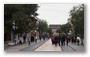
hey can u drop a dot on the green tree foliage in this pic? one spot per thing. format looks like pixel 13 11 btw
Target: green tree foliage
pixel 43 26
pixel 21 14
pixel 63 28
pixel 49 30
pixel 77 19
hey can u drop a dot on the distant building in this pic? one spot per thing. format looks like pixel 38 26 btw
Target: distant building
pixel 54 27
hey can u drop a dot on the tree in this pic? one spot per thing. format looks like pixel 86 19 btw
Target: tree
pixel 49 30
pixel 43 26
pixel 63 28
pixel 21 14
pixel 77 19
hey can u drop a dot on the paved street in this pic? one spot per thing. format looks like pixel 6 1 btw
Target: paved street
pixel 34 46
pixel 25 47
pixel 48 47
pixel 45 46
pixel 79 48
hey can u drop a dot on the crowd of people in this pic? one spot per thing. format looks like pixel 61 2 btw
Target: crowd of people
pixel 63 39
pixel 30 38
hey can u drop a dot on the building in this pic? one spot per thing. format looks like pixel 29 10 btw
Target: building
pixel 54 27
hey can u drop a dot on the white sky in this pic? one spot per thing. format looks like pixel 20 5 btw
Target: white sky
pixel 55 13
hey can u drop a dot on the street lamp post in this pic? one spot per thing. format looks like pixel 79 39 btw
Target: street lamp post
pixel 14 28
pixel 13 36
pixel 13 39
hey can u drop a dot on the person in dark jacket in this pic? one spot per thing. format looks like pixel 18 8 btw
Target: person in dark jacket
pixel 24 38
pixel 59 39
pixel 40 37
pixel 56 40
pixel 52 39
pixel 63 40
pixel 32 38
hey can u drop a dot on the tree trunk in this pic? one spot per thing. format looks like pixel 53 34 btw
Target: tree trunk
pixel 7 36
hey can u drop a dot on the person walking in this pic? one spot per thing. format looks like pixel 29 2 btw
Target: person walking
pixel 36 38
pixel 59 39
pixel 24 38
pixel 56 40
pixel 63 40
pixel 20 40
pixel 52 39
pixel 78 40
pixel 46 36
pixel 14 40
pixel 43 37
pixel 74 39
pixel 68 38
pixel 32 38
pixel 40 37
pixel 29 40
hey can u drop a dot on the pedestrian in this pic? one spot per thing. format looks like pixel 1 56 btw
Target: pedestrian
pixel 20 40
pixel 59 39
pixel 56 40
pixel 78 40
pixel 43 37
pixel 40 36
pixel 52 39
pixel 63 40
pixel 67 40
pixel 35 38
pixel 24 38
pixel 32 38
pixel 46 36
pixel 14 40
pixel 29 40
pixel 72 38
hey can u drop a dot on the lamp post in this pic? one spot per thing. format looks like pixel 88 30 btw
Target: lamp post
pixel 13 36
pixel 13 30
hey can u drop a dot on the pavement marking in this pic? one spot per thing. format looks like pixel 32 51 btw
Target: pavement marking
pixel 47 46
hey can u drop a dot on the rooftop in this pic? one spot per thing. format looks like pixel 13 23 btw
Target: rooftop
pixel 54 26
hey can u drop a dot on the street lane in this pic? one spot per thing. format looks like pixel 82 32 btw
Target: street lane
pixel 48 47
pixel 33 46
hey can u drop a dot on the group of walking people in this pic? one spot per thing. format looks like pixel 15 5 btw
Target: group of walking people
pixel 25 38
pixel 58 39
pixel 63 38
pixel 45 36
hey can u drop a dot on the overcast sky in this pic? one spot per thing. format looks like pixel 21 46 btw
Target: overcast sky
pixel 55 13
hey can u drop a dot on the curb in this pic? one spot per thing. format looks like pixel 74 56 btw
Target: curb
pixel 72 47
pixel 40 45
pixel 33 44
pixel 61 48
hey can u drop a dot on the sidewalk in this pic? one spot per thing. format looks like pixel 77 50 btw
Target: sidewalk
pixel 17 47
pixel 79 48
pixel 48 47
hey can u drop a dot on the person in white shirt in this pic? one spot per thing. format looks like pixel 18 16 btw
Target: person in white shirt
pixel 78 40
